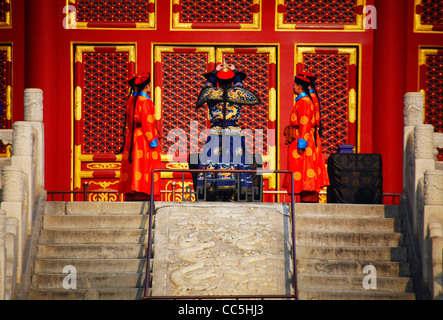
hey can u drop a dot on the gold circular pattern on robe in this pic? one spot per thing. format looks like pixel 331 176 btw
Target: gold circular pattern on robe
pixel 308 151
pixel 311 173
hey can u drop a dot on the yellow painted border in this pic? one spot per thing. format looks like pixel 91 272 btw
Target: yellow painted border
pixel 256 25
pixel 151 25
pixel 8 23
pixel 418 26
pixel 355 52
pixel 281 26
pixel 9 93
pixel 423 52
pixel 77 50
pixel 8 48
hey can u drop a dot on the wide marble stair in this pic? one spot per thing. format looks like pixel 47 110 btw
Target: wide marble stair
pixel 106 244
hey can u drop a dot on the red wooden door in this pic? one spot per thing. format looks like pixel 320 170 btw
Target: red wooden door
pixel 100 95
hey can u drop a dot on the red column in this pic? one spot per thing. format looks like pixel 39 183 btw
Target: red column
pixel 43 19
pixel 389 78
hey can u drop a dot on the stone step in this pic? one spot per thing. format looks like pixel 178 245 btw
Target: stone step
pixel 383 239
pixel 91 265
pixel 91 281
pixel 107 221
pixel 91 251
pixel 128 236
pixel 88 294
pixel 342 224
pixel 346 283
pixel 347 210
pixel 96 208
pixel 303 223
pixel 351 267
pixel 396 254
pixel 353 295
pixel 93 236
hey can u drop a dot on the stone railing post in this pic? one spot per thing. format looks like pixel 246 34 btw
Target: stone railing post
pixel 3 260
pixel 433 220
pixel 15 204
pixel 436 250
pixel 33 107
pixel 413 116
pixel 423 160
pixel 434 188
pixel 22 157
pixel 424 142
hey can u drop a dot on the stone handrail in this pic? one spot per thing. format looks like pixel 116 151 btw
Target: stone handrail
pixel 22 190
pixel 423 193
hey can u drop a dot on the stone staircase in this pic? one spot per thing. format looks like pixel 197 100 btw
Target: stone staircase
pixel 106 243
pixel 336 241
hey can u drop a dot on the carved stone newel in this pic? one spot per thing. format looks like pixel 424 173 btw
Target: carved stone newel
pixel 433 192
pixel 413 112
pixel 22 139
pixel 424 141
pixel 13 184
pixel 33 99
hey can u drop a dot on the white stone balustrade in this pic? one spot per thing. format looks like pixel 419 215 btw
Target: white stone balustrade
pixel 22 184
pixel 33 99
pixel 3 263
pixel 15 204
pixel 423 190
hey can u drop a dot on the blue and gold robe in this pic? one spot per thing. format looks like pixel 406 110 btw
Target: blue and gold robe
pixel 225 147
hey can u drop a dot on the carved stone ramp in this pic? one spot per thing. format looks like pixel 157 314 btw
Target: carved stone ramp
pixel 221 249
pixel 344 252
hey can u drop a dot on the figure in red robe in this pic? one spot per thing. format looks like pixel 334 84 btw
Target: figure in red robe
pixel 141 151
pixel 322 173
pixel 300 135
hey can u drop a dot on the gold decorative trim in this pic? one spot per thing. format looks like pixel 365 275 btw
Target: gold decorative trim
pixel 281 26
pixel 7 48
pixel 352 106
pixel 272 113
pixel 423 55
pixel 78 103
pixel 418 26
pixel 151 25
pixel 175 23
pixel 7 24
pixel 104 166
pixel 8 103
pixel 158 103
pixel 77 167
